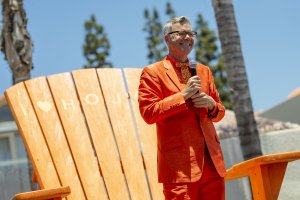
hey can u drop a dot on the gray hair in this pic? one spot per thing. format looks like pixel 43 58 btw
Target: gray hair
pixel 168 26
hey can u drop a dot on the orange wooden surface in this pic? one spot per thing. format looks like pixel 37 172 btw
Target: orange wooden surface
pixel 266 173
pixel 116 99
pixel 49 194
pixel 32 135
pixel 146 133
pixel 49 120
pixel 266 180
pixel 275 174
pixel 77 133
pixel 242 169
pixel 93 105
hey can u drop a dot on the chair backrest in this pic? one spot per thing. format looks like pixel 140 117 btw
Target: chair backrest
pixel 83 129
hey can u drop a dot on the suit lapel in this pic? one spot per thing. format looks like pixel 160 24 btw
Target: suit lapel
pixel 171 73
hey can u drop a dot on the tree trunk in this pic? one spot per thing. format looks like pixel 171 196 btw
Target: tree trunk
pixel 17 46
pixel 237 78
pixel 16 42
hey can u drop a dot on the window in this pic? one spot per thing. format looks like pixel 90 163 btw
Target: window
pixel 5 152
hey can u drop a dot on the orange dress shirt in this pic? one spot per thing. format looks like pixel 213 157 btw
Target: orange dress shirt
pixel 182 130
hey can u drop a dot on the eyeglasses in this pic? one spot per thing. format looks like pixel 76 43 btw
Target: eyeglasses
pixel 184 33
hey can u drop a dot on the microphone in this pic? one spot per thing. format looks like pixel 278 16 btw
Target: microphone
pixel 193 65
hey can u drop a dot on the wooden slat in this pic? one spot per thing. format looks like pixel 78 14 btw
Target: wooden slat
pixel 147 134
pixel 266 180
pixel 45 109
pixel 117 103
pixel 275 176
pixel 30 130
pixel 259 188
pixel 92 102
pixel 64 93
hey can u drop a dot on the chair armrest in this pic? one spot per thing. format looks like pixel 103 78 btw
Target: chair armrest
pixel 266 173
pixel 55 193
pixel 243 169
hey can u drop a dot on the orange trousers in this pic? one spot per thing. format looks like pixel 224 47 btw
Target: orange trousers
pixel 210 187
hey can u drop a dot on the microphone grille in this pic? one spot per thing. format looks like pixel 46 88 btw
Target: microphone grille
pixel 193 65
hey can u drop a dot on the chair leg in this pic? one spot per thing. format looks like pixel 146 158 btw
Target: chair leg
pixel 266 180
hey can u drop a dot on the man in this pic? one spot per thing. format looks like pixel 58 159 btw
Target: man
pixel 190 160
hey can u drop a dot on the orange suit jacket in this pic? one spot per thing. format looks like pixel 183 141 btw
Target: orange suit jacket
pixel 182 131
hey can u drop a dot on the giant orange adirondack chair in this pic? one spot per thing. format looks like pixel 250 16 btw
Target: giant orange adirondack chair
pixel 86 139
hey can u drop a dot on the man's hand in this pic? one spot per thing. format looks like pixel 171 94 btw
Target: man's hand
pixel 192 87
pixel 202 100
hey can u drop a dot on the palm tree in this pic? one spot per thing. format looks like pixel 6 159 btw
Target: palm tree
pixel 207 53
pixel 17 46
pixel 237 78
pixel 16 43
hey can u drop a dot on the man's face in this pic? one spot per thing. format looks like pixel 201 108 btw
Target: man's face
pixel 179 43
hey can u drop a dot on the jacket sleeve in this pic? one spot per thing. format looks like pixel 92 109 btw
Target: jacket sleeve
pixel 153 106
pixel 219 111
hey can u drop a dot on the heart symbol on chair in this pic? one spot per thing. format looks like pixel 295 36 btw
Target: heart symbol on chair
pixel 44 105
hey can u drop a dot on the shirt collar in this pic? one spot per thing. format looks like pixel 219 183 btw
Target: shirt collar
pixel 174 60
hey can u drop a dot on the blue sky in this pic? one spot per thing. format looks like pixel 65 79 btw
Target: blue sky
pixel 269 32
